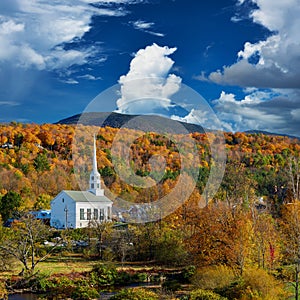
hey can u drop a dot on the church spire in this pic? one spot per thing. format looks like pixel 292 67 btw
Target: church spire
pixel 95 183
pixel 95 169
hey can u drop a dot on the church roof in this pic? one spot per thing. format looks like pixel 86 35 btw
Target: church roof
pixel 86 196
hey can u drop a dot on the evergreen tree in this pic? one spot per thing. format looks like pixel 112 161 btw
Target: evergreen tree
pixel 9 205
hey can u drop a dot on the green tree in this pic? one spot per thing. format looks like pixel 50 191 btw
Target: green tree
pixel 170 249
pixel 41 163
pixel 42 202
pixel 9 205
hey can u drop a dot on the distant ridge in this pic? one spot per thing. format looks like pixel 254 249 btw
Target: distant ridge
pixel 270 133
pixel 117 120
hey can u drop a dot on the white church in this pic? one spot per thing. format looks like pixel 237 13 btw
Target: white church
pixel 76 209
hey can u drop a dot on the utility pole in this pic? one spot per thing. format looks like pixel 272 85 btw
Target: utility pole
pixel 66 215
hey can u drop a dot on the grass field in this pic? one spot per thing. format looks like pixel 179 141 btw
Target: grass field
pixel 66 263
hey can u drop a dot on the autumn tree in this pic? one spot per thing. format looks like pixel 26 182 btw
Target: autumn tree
pixel 221 237
pixel 238 186
pixel 266 240
pixel 290 230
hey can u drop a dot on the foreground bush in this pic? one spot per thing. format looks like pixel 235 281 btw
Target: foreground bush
pixel 255 284
pixel 200 294
pixel 135 294
pixel 211 278
pixel 103 274
pixel 3 290
pixel 64 287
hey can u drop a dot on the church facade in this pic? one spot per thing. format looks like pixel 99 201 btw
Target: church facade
pixel 76 209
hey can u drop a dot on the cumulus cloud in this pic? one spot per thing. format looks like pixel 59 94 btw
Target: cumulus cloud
pixel 148 82
pixel 199 117
pixel 277 58
pixel 146 27
pixel 33 32
pixel 270 66
pixel 260 110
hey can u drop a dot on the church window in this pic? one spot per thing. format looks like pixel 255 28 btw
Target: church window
pixel 101 214
pixel 92 185
pixel 81 213
pixel 92 177
pixel 96 214
pixel 98 185
pixel 63 200
pixel 88 214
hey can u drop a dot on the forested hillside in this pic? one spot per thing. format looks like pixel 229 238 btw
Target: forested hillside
pixel 36 162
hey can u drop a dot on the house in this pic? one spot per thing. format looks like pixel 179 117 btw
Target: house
pixel 7 146
pixel 76 209
pixel 43 215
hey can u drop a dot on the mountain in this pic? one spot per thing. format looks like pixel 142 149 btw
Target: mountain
pixel 117 120
pixel 270 133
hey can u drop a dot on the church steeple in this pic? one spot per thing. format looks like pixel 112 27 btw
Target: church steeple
pixel 95 183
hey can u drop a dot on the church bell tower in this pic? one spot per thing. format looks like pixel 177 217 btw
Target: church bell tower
pixel 95 183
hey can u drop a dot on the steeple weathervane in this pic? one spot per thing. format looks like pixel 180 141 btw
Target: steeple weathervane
pixel 95 183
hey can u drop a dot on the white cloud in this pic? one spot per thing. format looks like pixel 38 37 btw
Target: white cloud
pixel 272 63
pixel 146 26
pixel 194 117
pixel 142 24
pixel 89 77
pixel 33 32
pixel 9 103
pixel 260 110
pixel 70 81
pixel 278 64
pixel 148 78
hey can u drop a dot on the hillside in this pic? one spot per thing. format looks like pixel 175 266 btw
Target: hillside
pixel 39 162
pixel 116 120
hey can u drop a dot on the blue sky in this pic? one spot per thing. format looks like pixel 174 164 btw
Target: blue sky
pixel 242 56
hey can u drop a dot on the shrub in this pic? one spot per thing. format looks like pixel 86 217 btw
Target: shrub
pixel 212 278
pixel 135 294
pixel 84 292
pixel 126 277
pixel 64 287
pixel 200 294
pixel 103 274
pixel 3 290
pixel 262 285
pixel 255 284
pixel 188 273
